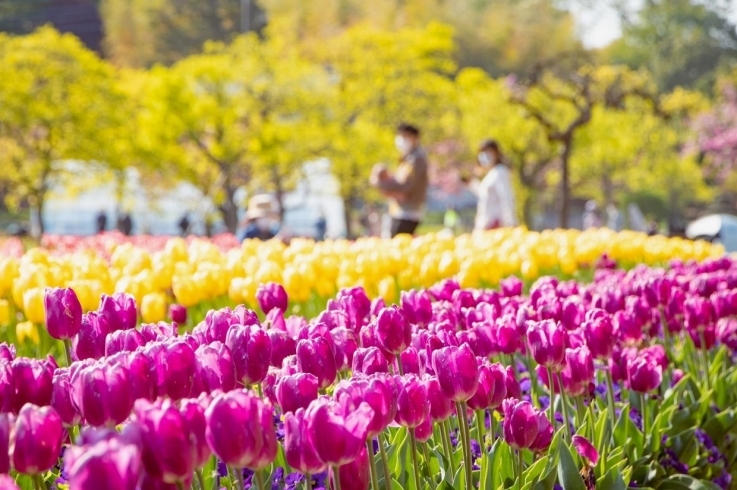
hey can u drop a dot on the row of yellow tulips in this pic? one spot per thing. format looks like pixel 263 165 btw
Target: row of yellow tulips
pixel 200 272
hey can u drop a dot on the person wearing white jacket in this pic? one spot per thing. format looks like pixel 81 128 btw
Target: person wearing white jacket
pixel 496 204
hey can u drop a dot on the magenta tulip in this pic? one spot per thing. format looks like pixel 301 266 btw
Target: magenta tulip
pixel 457 371
pixel 102 394
pixel 162 331
pixel 355 475
pixel 123 341
pixel 141 375
pixel 63 313
pixel 296 391
pixel 521 423
pixel 417 307
pixel 7 387
pixel 175 370
pixel 599 334
pixel 234 428
pixel 726 333
pixel 33 381
pixel 7 483
pixel 178 313
pixel 644 374
pixel 413 405
pixel 410 361
pixel 579 371
pixel 547 343
pixel 505 336
pixel 338 429
pixel 89 343
pixel 393 330
pixel 37 439
pixel 270 296
pixel 315 356
pixel 585 449
pixel 369 361
pixel 214 369
pixel 544 434
pixel 7 425
pixel 113 464
pixel 441 407
pixel 193 412
pixel 492 389
pixel 346 343
pixel 282 345
pixel 379 392
pixel 7 352
pixel 61 398
pixel 119 310
pixel 298 448
pixel 250 347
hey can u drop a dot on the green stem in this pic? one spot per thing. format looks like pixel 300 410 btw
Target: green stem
pixel 200 479
pixel 463 424
pixel 564 404
pixel 551 389
pixel 399 366
pixel 180 486
pixel 239 478
pixel 258 475
pixel 336 477
pixel 580 411
pixel 644 413
pixel 610 399
pixel 533 380
pixel 372 465
pixel 384 463
pixel 427 466
pixel 413 448
pixel 705 359
pixel 520 469
pixel 447 446
pixel 492 426
pixel 68 351
pixel 308 481
pixel 37 482
pixel 480 428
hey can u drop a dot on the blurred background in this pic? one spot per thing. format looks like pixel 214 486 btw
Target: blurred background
pixel 148 112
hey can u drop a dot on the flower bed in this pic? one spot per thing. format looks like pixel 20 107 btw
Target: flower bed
pixel 625 381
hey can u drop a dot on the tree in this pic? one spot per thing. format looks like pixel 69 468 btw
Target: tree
pixel 237 115
pixel 501 36
pixel 140 33
pixel 380 79
pixel 681 42
pixel 59 104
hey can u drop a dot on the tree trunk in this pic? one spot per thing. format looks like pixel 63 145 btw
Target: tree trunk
pixel 527 208
pixel 347 215
pixel 607 187
pixel 229 209
pixel 278 192
pixel 37 208
pixel 565 182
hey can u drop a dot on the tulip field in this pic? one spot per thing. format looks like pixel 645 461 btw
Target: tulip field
pixel 504 360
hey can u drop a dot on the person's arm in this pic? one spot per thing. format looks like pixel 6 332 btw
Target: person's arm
pixel 482 209
pixel 409 181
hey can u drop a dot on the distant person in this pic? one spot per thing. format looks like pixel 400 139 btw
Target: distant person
pixel 652 229
pixel 321 227
pixel 612 217
pixel 407 188
pixel 496 204
pixel 261 220
pixel 184 225
pixel 591 217
pixel 101 222
pixel 125 223
pixel 450 219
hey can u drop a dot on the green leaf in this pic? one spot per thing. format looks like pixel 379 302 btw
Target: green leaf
pixel 686 482
pixel 24 482
pixel 568 475
pixel 439 464
pixel 611 481
pixel 536 469
pixel 721 424
pixel 489 473
pixel 601 429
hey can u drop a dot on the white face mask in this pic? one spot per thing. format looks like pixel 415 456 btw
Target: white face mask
pixel 263 223
pixel 485 159
pixel 402 144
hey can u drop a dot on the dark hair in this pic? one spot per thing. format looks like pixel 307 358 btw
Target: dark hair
pixel 489 145
pixel 408 129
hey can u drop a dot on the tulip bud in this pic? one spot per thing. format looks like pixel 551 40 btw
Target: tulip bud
pixel 478 340
pixel 153 332
pixel 251 350
pixel 101 393
pixel 175 370
pixel 441 407
pixel 423 432
pixel 410 361
pixel 726 333
pixel 413 405
pixel 513 388
pixel 585 449
pixel 547 343
pixel 214 369
pixel 38 437
pixel 443 291
pixel 492 389
pixel 377 305
pixel 416 306
pixel 627 329
pixel 505 336
pixel 141 375
pixel 599 334
pixel 89 343
pixel 338 429
pixel 579 371
pixel 296 391
pixel 119 310
pixel 123 341
pixel 511 286
pixel 111 463
pixel 33 305
pixel 315 356
pixel 169 450
pixel 457 372
pixel 235 432
pixel 298 448
pixel 346 343
pixel 355 475
pixel 544 434
pixel 63 313
pixel 521 423
pixel 7 424
pixel 393 330
pixel 369 338
pixel 282 345
pixel 61 398
pixel 33 381
pixel 7 352
pixel 644 374
pixel 268 385
pixel 178 313
pixel 270 296
pixel 378 392
pixel 677 375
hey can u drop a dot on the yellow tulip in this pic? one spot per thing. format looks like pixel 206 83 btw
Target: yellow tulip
pixel 27 330
pixel 388 289
pixel 4 313
pixel 33 305
pixel 153 308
